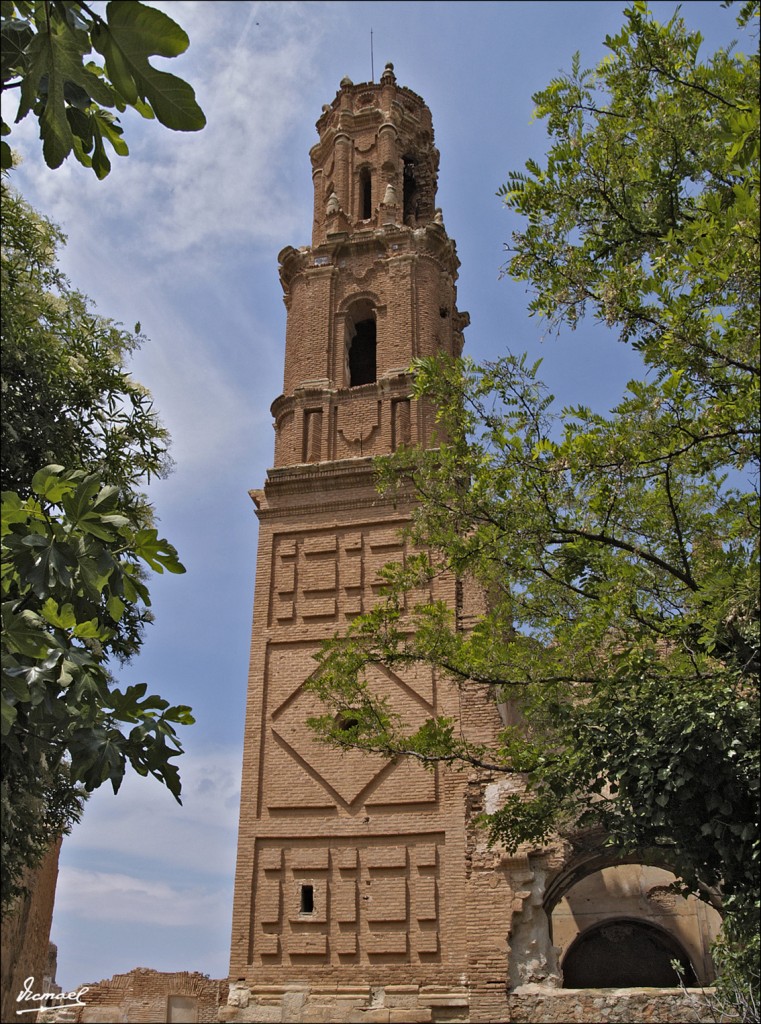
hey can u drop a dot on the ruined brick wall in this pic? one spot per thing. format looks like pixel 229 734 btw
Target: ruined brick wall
pixel 26 934
pixel 144 996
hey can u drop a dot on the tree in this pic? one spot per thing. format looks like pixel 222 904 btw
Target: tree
pixel 66 395
pixel 79 441
pixel 45 44
pixel 76 546
pixel 617 552
pixel 72 558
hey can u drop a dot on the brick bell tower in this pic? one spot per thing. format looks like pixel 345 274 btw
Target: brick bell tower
pixel 351 877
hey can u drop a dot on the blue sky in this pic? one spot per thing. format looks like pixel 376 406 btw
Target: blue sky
pixel 183 236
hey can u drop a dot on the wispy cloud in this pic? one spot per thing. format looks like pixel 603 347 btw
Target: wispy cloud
pixel 194 840
pixel 112 896
pixel 145 240
pixel 178 194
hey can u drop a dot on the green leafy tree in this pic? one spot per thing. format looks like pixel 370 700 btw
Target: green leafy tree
pixel 72 557
pixel 46 51
pixel 67 397
pixel 617 553
pixel 77 546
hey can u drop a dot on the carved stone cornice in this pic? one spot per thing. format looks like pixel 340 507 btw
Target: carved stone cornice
pixel 341 485
pixel 389 242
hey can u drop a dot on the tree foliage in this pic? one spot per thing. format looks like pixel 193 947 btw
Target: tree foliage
pixel 67 397
pixel 80 438
pixel 617 551
pixel 46 56
pixel 71 567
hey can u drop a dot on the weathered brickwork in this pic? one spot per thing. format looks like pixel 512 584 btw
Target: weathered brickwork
pixel 350 868
pixel 145 997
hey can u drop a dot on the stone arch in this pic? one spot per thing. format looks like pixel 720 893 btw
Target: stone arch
pixel 601 886
pixel 594 857
pixel 562 892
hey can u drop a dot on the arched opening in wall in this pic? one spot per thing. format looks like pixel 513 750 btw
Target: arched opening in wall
pixel 625 953
pixel 365 194
pixel 361 345
pixel 593 895
pixel 411 196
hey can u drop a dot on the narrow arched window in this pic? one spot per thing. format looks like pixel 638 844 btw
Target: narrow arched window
pixel 411 196
pixel 365 194
pixel 362 356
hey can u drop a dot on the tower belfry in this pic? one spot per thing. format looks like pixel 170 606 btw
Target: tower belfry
pixel 351 869
pixel 375 289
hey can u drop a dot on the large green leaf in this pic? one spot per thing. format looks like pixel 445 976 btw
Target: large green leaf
pixel 16 35
pixel 157 552
pixel 134 33
pixel 49 483
pixel 22 632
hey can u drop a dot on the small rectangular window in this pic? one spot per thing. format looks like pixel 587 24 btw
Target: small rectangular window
pixel 307 899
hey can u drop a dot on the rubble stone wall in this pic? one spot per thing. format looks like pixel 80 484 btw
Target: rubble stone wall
pixel 617 1006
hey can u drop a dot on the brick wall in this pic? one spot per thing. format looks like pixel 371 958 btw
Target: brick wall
pixel 144 996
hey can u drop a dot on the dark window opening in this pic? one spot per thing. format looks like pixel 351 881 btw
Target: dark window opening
pixel 362 364
pixel 625 953
pixel 307 900
pixel 346 721
pixel 410 191
pixel 365 194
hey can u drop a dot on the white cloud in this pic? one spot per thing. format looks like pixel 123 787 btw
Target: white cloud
pixel 138 863
pixel 111 896
pixel 183 192
pixel 143 823
pixel 206 410
pixel 146 242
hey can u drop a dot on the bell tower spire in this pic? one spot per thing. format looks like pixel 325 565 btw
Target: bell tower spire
pixel 375 289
